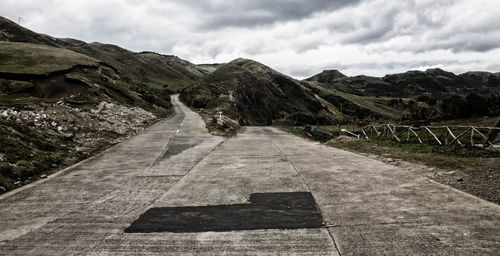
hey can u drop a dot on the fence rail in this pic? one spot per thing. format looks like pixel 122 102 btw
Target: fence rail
pixel 476 136
pixel 442 135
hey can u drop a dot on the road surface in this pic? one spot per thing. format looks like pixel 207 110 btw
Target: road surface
pixel 175 166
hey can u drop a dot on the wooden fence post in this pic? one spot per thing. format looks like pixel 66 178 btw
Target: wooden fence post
pixel 433 135
pixel 446 133
pixel 393 132
pixel 453 136
pixel 486 141
pixel 472 137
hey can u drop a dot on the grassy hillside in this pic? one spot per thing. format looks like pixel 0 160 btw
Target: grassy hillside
pixel 27 58
pixel 432 82
pixel 58 106
pixel 377 105
pixel 31 73
pixel 412 96
pixel 355 107
pixel 49 122
pixel 62 100
pixel 146 68
pixel 326 76
pixel 209 68
pixel 139 70
pixel 253 94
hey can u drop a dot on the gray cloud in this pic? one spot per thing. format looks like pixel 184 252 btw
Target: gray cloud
pixel 463 42
pixel 241 13
pixel 373 28
pixel 297 37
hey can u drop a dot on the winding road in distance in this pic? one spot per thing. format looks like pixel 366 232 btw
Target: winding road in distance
pixel 177 190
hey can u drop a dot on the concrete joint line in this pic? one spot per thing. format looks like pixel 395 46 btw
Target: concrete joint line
pixel 309 189
pixel 156 161
pixel 382 223
pixel 183 176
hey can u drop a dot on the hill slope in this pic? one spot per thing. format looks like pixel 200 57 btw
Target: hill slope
pixel 254 94
pixel 27 58
pixel 433 82
pixel 355 107
pixel 62 100
pixel 58 107
pixel 139 69
pixel 326 76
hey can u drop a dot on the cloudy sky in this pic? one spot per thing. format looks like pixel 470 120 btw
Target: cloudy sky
pixel 299 38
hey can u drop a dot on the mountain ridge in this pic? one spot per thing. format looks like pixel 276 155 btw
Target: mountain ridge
pixel 141 68
pixel 435 82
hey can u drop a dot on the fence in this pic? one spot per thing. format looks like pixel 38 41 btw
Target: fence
pixel 314 131
pixel 489 137
pixel 442 135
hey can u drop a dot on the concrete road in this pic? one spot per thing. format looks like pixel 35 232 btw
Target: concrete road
pixel 368 207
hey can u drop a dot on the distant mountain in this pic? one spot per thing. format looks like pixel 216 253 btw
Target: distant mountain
pixel 254 94
pixel 327 76
pixel 485 79
pixel 139 69
pixel 432 82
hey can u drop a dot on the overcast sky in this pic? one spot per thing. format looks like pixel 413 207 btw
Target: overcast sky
pixel 299 38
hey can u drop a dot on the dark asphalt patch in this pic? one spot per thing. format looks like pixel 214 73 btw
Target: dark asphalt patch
pixel 286 210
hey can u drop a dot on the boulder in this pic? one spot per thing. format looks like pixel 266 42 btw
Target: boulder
pixel 67 135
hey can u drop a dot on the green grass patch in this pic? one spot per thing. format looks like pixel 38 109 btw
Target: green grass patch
pixel 377 105
pixel 26 58
pixel 27 153
pixel 403 148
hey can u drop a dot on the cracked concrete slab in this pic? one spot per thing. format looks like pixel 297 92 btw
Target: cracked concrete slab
pixel 374 208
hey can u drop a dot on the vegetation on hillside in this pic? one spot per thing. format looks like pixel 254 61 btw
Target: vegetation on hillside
pixel 432 82
pixel 357 108
pixel 454 107
pixel 50 121
pixel 27 58
pixel 54 95
pixel 253 94
pixel 142 70
pixel 409 97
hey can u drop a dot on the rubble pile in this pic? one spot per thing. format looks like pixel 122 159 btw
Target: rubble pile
pixel 44 137
pixel 121 119
pixel 61 119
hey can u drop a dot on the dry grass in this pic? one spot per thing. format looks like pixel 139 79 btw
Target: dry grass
pixel 26 58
